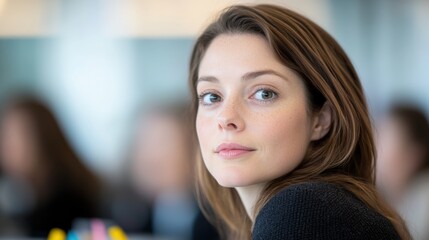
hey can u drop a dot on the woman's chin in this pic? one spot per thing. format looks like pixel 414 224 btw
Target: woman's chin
pixel 230 180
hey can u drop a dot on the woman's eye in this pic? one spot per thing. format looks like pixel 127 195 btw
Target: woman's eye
pixel 265 94
pixel 209 98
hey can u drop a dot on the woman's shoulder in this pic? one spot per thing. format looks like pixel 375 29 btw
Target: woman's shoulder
pixel 319 210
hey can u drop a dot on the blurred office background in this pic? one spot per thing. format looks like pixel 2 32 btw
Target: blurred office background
pixel 98 63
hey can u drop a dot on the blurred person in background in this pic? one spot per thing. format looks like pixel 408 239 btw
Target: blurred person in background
pixel 160 175
pixel 403 165
pixel 45 183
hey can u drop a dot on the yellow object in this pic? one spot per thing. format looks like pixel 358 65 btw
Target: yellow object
pixel 56 234
pixel 116 233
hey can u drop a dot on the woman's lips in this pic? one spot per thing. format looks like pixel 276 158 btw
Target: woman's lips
pixel 232 150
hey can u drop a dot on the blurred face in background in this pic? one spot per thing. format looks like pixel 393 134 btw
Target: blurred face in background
pixel 17 145
pixel 398 158
pixel 161 161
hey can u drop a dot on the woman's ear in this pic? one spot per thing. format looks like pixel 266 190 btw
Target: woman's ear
pixel 322 122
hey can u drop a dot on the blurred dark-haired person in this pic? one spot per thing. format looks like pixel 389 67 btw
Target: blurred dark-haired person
pixel 403 165
pixel 45 181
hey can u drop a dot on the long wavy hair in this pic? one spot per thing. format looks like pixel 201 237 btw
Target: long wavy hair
pixel 54 157
pixel 345 156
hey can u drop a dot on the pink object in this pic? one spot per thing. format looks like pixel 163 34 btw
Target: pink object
pixel 98 230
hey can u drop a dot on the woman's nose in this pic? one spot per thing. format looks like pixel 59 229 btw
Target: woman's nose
pixel 230 117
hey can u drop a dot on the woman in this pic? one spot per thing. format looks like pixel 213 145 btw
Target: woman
pixel 403 165
pixel 283 128
pixel 36 154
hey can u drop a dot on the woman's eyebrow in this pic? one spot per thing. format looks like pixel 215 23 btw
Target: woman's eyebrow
pixel 207 79
pixel 253 75
pixel 247 76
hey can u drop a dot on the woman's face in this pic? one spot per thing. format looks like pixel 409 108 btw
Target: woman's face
pixel 161 160
pixel 17 146
pixel 397 160
pixel 253 122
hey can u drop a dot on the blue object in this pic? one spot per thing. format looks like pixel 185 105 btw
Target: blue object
pixel 72 235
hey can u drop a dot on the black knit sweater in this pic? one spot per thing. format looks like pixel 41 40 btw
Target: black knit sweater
pixel 319 211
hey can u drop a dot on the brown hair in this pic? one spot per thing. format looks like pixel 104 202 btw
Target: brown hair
pixel 329 76
pixel 56 160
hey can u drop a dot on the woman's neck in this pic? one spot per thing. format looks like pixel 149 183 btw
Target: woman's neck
pixel 249 196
